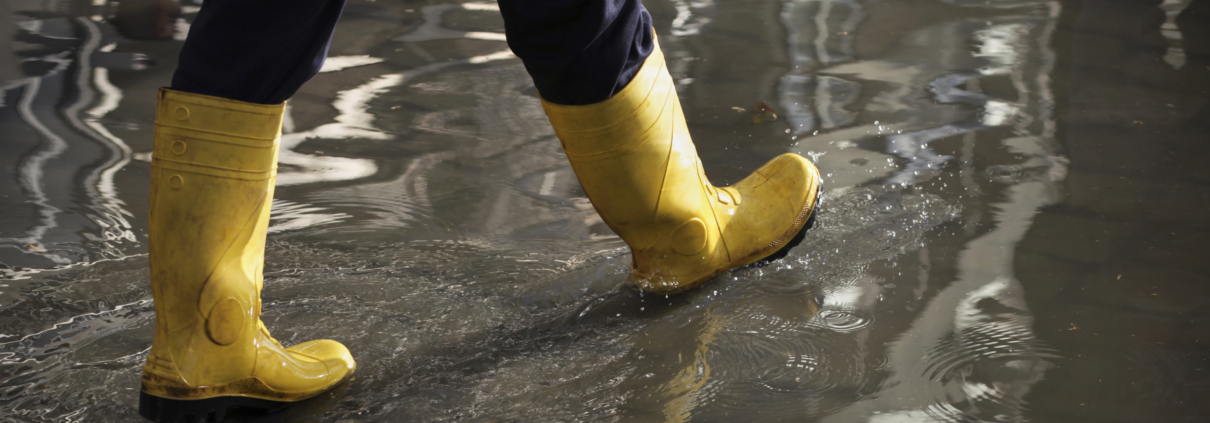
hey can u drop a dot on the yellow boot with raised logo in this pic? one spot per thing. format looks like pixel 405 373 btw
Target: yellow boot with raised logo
pixel 214 165
pixel 633 155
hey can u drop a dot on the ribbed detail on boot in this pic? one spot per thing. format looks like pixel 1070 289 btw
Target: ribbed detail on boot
pixel 191 135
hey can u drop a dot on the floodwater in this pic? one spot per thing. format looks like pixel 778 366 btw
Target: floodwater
pixel 1016 221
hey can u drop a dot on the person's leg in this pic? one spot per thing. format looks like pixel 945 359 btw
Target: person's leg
pixel 578 51
pixel 257 51
pixel 607 92
pixel 214 163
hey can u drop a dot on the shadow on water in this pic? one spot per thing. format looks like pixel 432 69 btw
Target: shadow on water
pixel 1013 222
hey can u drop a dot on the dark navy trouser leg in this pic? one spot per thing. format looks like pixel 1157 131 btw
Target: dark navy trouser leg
pixel 578 51
pixel 262 51
pixel 257 51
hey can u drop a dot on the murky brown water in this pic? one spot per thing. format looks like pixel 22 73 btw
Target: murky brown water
pixel 1015 225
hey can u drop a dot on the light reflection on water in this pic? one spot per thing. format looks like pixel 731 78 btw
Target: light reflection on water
pixel 427 218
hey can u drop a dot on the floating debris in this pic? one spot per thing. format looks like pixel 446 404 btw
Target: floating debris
pixel 763 112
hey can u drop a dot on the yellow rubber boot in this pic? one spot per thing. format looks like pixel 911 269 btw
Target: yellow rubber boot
pixel 633 155
pixel 213 169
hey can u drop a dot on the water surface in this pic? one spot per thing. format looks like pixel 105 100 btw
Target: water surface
pixel 1014 225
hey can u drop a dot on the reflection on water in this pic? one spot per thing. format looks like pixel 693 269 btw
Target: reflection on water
pixel 1011 230
pixel 59 104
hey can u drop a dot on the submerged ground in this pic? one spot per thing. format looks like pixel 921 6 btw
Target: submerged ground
pixel 1015 224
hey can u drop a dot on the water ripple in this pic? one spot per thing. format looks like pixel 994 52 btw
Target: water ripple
pixel 985 367
pixel 780 365
pixel 845 320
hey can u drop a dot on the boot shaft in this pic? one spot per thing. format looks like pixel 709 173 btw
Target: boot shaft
pixel 213 169
pixel 636 161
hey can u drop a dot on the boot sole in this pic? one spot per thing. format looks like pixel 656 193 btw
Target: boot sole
pixel 165 410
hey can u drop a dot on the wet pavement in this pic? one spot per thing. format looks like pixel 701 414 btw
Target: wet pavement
pixel 1015 224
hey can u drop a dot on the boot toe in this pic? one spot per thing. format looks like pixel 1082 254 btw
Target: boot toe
pixel 795 178
pixel 777 200
pixel 334 354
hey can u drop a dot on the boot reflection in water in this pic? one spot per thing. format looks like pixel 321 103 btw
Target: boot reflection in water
pixel 608 95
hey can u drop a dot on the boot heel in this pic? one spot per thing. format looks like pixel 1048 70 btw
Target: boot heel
pixel 165 410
